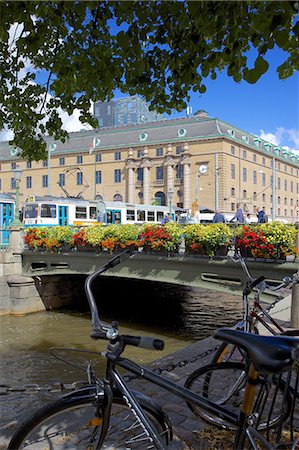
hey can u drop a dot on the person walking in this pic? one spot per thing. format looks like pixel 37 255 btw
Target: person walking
pixel 261 216
pixel 194 212
pixel 219 217
pixel 247 218
pixel 239 216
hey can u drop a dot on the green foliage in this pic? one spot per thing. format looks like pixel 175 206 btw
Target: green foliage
pixel 157 49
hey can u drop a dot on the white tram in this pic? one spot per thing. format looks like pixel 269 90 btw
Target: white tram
pixel 53 211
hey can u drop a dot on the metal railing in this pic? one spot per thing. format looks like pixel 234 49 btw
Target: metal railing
pixel 4 238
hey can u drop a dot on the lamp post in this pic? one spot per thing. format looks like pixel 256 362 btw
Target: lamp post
pixel 95 143
pixel 17 176
pixel 51 149
pixel 170 198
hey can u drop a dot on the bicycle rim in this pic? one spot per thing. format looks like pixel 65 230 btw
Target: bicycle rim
pixel 77 424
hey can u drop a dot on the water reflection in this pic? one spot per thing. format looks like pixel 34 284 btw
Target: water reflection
pixel 179 315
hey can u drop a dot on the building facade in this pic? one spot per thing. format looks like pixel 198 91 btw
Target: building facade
pixel 124 111
pixel 162 162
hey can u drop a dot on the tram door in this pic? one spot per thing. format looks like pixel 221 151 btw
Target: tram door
pixel 6 217
pixel 63 215
pixel 113 216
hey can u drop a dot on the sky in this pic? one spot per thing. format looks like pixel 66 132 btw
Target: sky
pixel 268 108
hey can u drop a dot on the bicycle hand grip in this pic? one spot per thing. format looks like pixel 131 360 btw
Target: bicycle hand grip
pixel 145 342
pixel 257 281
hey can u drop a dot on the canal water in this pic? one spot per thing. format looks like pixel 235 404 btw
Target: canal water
pixel 178 315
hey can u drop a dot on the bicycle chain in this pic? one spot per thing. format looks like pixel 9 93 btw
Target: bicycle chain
pixel 6 389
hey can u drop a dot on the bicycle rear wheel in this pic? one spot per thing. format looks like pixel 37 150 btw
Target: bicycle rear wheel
pixel 224 384
pixel 75 423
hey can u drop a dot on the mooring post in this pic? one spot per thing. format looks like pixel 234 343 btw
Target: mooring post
pixel 295 302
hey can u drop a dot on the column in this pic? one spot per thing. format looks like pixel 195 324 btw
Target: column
pixel 169 164
pixel 130 167
pixel 146 183
pixel 186 162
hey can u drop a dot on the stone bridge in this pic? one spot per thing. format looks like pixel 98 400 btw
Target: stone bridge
pixel 27 278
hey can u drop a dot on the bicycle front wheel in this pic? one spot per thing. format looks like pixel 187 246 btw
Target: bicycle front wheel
pixel 75 423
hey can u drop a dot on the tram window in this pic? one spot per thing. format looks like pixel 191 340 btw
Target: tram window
pixel 81 212
pixel 93 212
pixel 30 211
pixel 130 214
pixel 48 211
pixel 160 215
pixel 151 216
pixel 109 216
pixel 141 215
pixel 117 217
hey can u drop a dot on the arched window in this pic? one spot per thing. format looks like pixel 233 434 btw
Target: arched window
pixel 233 192
pixel 160 198
pixel 117 198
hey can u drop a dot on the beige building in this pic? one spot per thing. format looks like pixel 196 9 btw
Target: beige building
pixel 195 158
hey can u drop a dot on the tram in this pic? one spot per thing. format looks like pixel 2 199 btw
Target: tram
pixel 7 213
pixel 54 211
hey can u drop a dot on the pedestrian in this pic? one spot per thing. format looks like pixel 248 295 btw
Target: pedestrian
pixel 166 219
pixel 261 216
pixel 239 216
pixel 219 217
pixel 194 212
pixel 247 218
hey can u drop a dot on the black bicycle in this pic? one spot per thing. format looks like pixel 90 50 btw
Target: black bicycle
pixel 107 414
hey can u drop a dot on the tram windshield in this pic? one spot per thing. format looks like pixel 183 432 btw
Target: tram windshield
pixel 48 210
pixel 30 211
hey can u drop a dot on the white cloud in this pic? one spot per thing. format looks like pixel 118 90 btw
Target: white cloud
pixel 285 137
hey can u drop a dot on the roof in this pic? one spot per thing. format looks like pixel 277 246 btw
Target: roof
pixel 168 131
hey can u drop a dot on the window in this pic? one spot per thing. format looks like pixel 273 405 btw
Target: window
pixel 278 183
pixel 79 178
pixel 278 166
pixel 140 215
pixel 244 193
pixel 139 153
pixel 117 176
pixel 98 157
pixel 232 192
pixel 254 177
pixel 159 173
pixel 45 181
pixel 292 186
pixel 179 171
pixel 28 164
pixel 140 174
pixel 264 197
pixel 278 200
pixel 151 216
pixel 12 183
pixel 130 214
pixel 254 196
pixel 48 211
pixel 28 182
pixel 179 150
pixel 285 201
pixel 0 183
pixel 98 176
pixel 254 157
pixel 232 206
pixel 81 212
pixel 61 180
pixel 45 163
pixel 117 156
pixel 233 171
pixel 13 165
pixel 79 159
pixel 285 168
pixel 263 179
pixel 244 154
pixel 244 174
pixel 92 212
pixel 297 188
pixel 61 161
pixel 264 161
pixel 159 151
pixel 285 185
pixel 232 150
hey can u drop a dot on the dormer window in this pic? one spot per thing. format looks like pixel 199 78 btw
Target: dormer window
pixel 245 139
pixel 268 147
pixel 182 132
pixel 231 132
pixel 257 142
pixel 143 136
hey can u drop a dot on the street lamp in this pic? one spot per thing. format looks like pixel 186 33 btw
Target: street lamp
pixel 95 143
pixel 17 177
pixel 51 148
pixel 170 198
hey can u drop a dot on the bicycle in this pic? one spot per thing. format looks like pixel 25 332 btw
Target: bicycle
pixel 106 413
pixel 231 357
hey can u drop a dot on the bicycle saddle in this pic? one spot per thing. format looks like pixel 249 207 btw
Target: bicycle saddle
pixel 268 353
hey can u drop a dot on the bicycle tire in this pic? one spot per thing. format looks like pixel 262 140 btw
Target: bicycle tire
pixel 72 423
pixel 224 383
